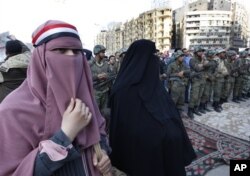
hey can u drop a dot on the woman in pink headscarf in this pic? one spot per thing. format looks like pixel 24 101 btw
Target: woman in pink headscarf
pixel 49 125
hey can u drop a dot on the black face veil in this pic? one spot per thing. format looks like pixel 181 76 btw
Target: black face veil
pixel 140 68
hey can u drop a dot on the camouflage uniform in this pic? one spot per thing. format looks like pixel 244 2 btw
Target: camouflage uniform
pixel 209 70
pixel 248 71
pixel 237 92
pixel 197 83
pixel 246 75
pixel 220 73
pixel 230 79
pixel 101 85
pixel 101 92
pixel 177 84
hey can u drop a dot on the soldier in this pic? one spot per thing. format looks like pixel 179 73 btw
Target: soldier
pixel 177 81
pixel 197 83
pixel 119 57
pixel 230 79
pixel 248 70
pixel 220 73
pixel 210 66
pixel 237 92
pixel 186 60
pixel 246 75
pixel 112 64
pixel 100 74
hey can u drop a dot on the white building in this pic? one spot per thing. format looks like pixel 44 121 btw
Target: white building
pixel 209 29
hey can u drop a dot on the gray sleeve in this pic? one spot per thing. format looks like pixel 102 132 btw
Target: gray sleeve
pixel 44 166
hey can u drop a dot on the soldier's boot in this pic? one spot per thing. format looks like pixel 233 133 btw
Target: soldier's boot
pixel 248 94
pixel 220 104
pixel 224 100
pixel 201 108
pixel 244 96
pixel 235 100
pixel 190 113
pixel 206 107
pixel 195 111
pixel 216 106
pixel 240 99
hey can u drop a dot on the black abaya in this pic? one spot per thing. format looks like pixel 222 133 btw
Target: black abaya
pixel 147 135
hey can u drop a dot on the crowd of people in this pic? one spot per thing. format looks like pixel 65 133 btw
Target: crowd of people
pixel 52 121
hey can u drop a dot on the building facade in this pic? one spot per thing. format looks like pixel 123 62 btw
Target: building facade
pixel 240 26
pixel 210 29
pixel 212 23
pixel 209 23
pixel 155 25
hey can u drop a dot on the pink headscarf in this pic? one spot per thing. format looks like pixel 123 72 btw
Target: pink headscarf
pixel 33 112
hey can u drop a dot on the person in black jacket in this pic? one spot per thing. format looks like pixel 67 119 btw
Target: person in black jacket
pixel 13 69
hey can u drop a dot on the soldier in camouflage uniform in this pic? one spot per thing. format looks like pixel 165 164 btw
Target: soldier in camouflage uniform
pixel 246 75
pixel 220 73
pixel 177 81
pixel 248 70
pixel 210 66
pixel 237 92
pixel 100 74
pixel 112 64
pixel 230 79
pixel 119 57
pixel 197 83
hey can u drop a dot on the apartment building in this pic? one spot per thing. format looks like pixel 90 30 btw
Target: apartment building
pixel 210 23
pixel 240 26
pixel 224 5
pixel 101 38
pixel 213 23
pixel 155 25
pixel 209 29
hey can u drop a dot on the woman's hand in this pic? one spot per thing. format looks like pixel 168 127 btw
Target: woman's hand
pixel 75 118
pixel 104 164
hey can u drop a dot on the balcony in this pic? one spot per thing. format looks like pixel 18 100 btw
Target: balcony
pixel 192 24
pixel 166 14
pixel 192 31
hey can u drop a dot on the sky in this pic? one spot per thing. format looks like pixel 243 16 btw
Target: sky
pixel 21 17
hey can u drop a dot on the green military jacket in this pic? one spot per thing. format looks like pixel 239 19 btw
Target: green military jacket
pixel 172 72
pixel 96 68
pixel 194 66
pixel 210 69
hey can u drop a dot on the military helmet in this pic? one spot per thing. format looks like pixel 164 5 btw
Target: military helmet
pixel 231 53
pixel 243 53
pixel 98 49
pixel 122 51
pixel 199 48
pixel 210 53
pixel 220 50
pixel 178 54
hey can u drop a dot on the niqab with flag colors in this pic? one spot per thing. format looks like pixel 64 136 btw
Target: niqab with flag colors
pixel 34 111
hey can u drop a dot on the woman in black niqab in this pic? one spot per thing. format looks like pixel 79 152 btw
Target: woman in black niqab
pixel 147 135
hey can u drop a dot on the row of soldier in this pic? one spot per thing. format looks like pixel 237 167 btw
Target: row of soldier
pixel 209 76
